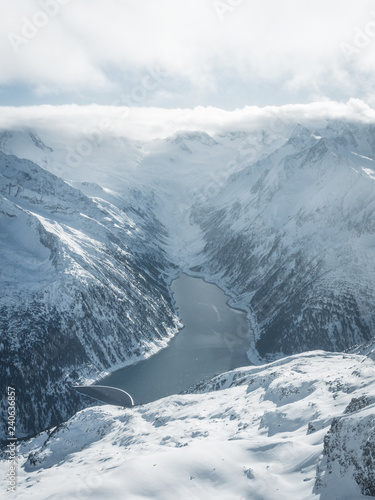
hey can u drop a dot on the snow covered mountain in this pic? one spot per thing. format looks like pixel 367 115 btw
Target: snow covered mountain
pixel 300 428
pixel 84 288
pixel 293 237
pixel 91 239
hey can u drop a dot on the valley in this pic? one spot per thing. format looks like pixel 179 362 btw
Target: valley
pixel 282 222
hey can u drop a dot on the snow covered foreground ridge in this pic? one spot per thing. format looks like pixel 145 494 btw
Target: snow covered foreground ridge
pixel 299 428
pixel 284 222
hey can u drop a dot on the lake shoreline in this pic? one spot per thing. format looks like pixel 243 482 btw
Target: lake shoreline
pixel 212 340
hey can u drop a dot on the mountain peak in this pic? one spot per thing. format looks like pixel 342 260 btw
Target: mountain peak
pixel 194 136
pixel 300 132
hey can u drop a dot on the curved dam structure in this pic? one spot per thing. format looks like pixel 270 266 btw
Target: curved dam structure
pixel 108 395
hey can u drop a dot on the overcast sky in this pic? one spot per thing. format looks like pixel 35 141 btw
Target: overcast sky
pixel 185 53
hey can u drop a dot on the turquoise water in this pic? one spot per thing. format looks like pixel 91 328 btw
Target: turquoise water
pixel 214 339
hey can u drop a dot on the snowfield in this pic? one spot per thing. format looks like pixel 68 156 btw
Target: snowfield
pixel 300 428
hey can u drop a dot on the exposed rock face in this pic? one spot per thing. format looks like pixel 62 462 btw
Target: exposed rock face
pixel 349 449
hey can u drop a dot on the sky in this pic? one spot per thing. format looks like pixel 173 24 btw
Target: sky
pixel 186 53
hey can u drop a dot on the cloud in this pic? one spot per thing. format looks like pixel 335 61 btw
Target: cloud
pixel 149 123
pixel 104 46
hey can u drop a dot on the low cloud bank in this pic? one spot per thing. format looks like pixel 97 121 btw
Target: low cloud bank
pixel 150 123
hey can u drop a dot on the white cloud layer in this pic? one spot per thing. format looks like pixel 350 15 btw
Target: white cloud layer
pixel 217 47
pixel 149 123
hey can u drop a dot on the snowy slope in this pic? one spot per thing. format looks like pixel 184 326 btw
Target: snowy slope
pixel 299 428
pixel 366 349
pixel 101 159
